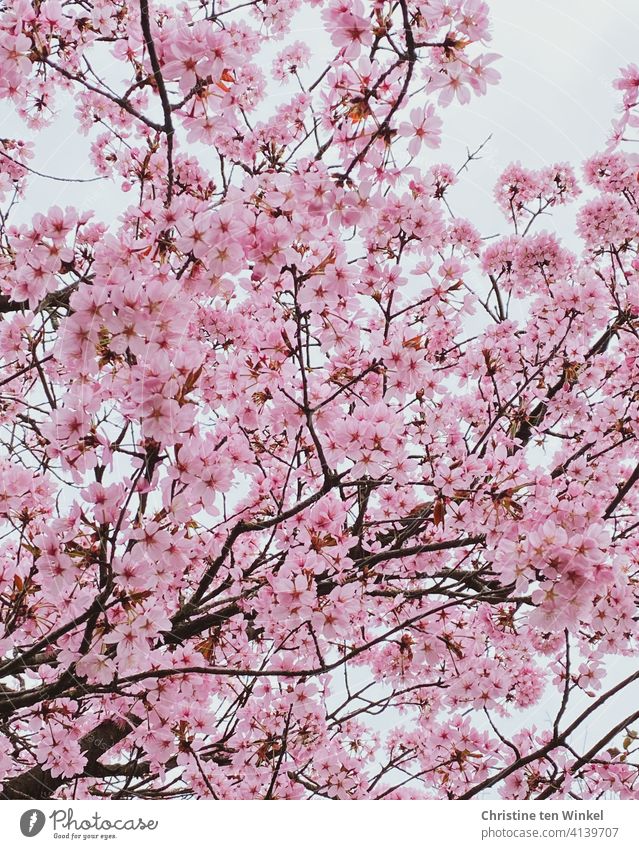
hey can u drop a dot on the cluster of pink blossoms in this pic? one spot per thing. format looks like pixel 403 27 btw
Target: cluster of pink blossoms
pixel 288 445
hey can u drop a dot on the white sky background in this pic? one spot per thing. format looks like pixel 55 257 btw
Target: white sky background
pixel 555 100
pixel 554 103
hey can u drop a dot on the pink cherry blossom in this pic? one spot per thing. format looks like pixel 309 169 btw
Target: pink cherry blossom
pixel 424 128
pixel 310 486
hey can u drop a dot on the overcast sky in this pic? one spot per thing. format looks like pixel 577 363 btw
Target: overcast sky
pixel 554 102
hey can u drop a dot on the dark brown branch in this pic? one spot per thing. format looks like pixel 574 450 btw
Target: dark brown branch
pixel 38 783
pixel 623 491
pixel 164 98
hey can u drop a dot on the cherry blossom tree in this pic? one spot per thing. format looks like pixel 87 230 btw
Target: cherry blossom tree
pixel 307 487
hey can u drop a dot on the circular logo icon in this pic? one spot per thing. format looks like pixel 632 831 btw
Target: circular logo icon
pixel 32 822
